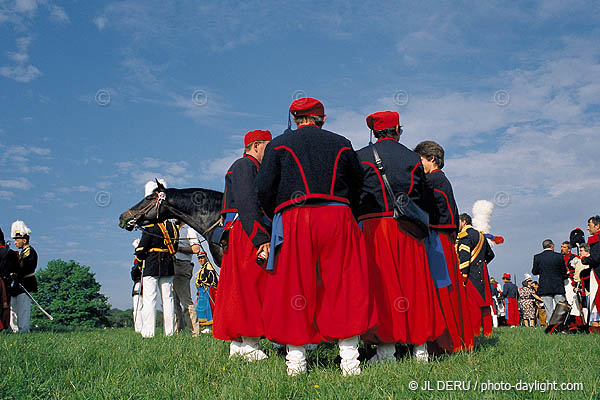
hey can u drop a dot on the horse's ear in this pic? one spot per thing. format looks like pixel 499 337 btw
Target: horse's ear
pixel 159 185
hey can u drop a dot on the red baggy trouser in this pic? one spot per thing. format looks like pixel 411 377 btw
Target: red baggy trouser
pixel 319 289
pixel 453 299
pixel 480 308
pixel 241 290
pixel 405 296
pixel 512 312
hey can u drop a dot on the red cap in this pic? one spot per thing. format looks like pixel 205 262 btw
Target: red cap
pixel 383 120
pixel 307 106
pixel 505 275
pixel 202 253
pixel 253 136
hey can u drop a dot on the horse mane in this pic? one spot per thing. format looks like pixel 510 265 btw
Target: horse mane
pixel 191 200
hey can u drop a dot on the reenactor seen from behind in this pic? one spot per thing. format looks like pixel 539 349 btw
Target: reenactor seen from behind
pixel 309 183
pixel 242 281
pixel 405 294
pixel 444 221
pixel 23 278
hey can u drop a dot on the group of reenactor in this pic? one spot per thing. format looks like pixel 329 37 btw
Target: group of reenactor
pixel 163 264
pixel 17 279
pixel 315 254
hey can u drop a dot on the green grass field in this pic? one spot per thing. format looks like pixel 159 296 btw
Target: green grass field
pixel 119 364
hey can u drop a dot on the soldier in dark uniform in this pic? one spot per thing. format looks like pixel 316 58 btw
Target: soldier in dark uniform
pixel 136 291
pixel 9 263
pixel 474 253
pixel 592 258
pixel 444 221
pixel 509 293
pixel 405 294
pixel 241 288
pixel 309 182
pixel 156 252
pixel 20 303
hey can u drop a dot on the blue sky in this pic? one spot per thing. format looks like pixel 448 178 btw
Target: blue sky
pixel 98 97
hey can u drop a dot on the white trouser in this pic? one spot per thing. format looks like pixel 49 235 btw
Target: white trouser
pixel 349 353
pixel 296 358
pixel 150 294
pixel 571 298
pixel 137 309
pixel 20 311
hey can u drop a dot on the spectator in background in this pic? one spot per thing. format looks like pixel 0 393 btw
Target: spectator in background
pixel 550 266
pixel 527 298
pixel 509 293
pixel 184 268
pixel 539 305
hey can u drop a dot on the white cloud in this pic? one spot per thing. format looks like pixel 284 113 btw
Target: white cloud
pixel 26 6
pixel 6 195
pixel 58 14
pixel 20 73
pixel 100 22
pixel 19 183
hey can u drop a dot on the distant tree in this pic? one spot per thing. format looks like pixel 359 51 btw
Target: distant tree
pixel 71 294
pixel 120 318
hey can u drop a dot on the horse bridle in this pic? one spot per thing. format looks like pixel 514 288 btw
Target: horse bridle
pixel 160 197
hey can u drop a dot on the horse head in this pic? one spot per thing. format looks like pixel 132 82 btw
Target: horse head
pixel 153 208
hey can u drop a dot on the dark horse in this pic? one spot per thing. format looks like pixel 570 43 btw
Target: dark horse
pixel 199 208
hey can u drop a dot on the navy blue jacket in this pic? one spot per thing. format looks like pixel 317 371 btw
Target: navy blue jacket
pixel 308 165
pixel 405 173
pixel 157 258
pixel 594 258
pixel 509 291
pixel 241 197
pixel 474 253
pixel 445 215
pixel 550 266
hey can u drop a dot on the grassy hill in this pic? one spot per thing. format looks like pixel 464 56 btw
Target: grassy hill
pixel 119 364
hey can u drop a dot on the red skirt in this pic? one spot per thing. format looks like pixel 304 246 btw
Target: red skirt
pixel 453 299
pixel 405 296
pixel 319 289
pixel 241 290
pixel 512 312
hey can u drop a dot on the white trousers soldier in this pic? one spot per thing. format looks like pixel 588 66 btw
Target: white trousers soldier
pixel 138 304
pixel 20 312
pixel 151 285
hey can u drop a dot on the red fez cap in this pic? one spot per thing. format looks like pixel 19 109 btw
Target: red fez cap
pixel 253 136
pixel 307 106
pixel 507 276
pixel 383 120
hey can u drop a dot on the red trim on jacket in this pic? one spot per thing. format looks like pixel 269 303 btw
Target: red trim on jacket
pixel 443 226
pixel 254 160
pixel 337 158
pixel 229 210
pixel 299 166
pixel 447 203
pixel 594 239
pixel 376 215
pixel 302 199
pixel 385 138
pixel 380 181
pixel 412 177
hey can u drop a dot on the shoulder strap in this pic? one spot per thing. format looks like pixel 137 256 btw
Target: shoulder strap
pixel 381 169
pixel 167 237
